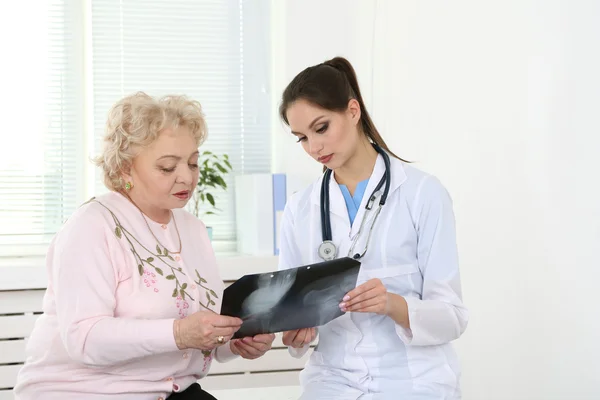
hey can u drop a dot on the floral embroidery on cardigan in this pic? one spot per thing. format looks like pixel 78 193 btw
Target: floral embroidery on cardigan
pixel 183 307
pixel 150 279
pixel 154 261
pixel 208 356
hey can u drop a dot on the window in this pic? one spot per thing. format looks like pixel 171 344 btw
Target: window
pixel 41 80
pixel 216 52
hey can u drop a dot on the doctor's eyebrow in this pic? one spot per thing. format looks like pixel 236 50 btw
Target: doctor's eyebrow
pixel 314 121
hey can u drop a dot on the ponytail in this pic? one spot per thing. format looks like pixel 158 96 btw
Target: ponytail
pixel 367 124
pixel 331 85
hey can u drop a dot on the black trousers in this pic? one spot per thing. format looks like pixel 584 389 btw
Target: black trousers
pixel 194 392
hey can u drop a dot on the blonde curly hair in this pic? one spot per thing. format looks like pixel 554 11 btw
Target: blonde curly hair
pixel 135 122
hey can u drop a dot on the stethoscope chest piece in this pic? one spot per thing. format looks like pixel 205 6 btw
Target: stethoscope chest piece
pixel 327 250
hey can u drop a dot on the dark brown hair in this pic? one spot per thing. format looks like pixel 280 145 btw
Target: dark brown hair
pixel 331 85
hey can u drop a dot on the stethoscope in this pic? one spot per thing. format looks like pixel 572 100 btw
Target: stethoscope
pixel 327 249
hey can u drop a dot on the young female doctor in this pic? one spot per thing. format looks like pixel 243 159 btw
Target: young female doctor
pixel 393 340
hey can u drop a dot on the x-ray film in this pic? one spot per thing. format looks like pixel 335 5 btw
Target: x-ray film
pixel 303 297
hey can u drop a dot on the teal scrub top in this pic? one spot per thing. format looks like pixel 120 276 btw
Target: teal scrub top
pixel 353 202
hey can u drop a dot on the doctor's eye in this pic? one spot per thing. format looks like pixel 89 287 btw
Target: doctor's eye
pixel 323 128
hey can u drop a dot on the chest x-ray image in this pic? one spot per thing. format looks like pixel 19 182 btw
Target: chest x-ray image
pixel 303 297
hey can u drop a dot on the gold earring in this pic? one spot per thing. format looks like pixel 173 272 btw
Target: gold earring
pixel 128 186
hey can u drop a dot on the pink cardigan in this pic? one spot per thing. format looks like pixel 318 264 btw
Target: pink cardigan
pixel 113 293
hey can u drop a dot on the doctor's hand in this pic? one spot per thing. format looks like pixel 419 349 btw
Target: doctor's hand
pixel 371 297
pixel 252 347
pixel 299 338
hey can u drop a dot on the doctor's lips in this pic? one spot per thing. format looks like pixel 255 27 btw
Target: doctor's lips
pixel 325 159
pixel 183 195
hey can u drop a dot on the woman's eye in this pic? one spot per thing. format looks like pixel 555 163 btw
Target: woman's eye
pixel 300 139
pixel 167 170
pixel 323 128
pixel 193 166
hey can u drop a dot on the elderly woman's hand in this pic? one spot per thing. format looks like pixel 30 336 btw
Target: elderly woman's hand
pixel 204 330
pixel 252 347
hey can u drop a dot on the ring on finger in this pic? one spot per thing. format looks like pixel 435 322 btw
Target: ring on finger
pixel 220 339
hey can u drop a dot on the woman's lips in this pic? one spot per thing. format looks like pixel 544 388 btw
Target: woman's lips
pixel 183 195
pixel 325 159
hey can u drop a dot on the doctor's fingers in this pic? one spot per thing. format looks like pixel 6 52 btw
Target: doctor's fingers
pixel 257 344
pixel 311 336
pixel 372 284
pixel 305 336
pixel 266 338
pixel 248 351
pixel 368 295
pixel 377 304
pixel 299 339
pixel 288 337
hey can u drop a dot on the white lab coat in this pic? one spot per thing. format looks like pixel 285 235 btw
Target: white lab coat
pixel 413 251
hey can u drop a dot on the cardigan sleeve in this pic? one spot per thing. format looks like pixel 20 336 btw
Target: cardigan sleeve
pixel 83 277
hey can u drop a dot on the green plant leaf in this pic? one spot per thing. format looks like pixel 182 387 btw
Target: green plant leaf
pixel 184 286
pixel 213 293
pixel 175 292
pixel 211 199
pixel 140 269
pixel 170 277
pixel 220 181
pixel 159 271
pixel 118 232
pixel 158 250
pixel 207 296
pixel 150 259
pixel 182 293
pixel 171 258
pixel 212 303
pixel 166 252
pixel 226 161
pixel 198 275
pixel 203 280
pixel 220 168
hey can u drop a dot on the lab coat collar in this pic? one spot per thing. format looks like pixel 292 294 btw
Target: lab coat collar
pixel 336 198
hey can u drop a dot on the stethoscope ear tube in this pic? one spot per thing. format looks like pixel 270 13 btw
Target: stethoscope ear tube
pixel 325 227
pixel 387 175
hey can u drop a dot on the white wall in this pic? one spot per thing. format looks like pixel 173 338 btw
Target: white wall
pixel 308 32
pixel 500 100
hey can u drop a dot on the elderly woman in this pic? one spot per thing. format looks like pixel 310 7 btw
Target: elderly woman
pixel 132 306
